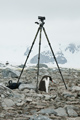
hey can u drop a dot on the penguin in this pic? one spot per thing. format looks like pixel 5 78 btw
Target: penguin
pixel 44 83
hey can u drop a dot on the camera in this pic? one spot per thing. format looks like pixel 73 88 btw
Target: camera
pixel 41 18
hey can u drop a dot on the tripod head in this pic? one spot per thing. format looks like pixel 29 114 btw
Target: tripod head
pixel 41 20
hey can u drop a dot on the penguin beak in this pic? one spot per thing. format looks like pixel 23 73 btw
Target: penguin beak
pixel 53 81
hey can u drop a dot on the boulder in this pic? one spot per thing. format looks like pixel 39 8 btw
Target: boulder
pixel 49 97
pixel 20 104
pixel 48 111
pixel 40 117
pixel 5 92
pixel 71 112
pixel 10 73
pixel 75 88
pixel 7 103
pixel 61 112
pixel 27 86
pixel 42 65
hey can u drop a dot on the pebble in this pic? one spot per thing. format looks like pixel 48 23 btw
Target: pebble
pixel 25 104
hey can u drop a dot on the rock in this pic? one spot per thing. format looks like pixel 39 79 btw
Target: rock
pixel 39 107
pixel 7 103
pixel 67 94
pixel 42 65
pixel 20 104
pixel 25 104
pixel 38 95
pixel 5 92
pixel 49 97
pixel 75 88
pixel 18 96
pixel 40 117
pixel 58 112
pixel 33 111
pixel 48 111
pixel 1 115
pixel 61 112
pixel 35 95
pixel 27 86
pixel 31 70
pixel 32 91
pixel 77 118
pixel 10 73
pixel 28 99
pixel 21 66
pixel 71 112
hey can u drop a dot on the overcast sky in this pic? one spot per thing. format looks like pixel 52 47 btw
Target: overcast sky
pixel 18 17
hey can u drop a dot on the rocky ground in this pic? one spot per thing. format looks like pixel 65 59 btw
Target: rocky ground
pixel 25 104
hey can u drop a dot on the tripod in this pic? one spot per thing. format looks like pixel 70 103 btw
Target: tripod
pixel 40 29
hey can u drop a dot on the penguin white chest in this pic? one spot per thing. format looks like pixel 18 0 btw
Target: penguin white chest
pixel 47 84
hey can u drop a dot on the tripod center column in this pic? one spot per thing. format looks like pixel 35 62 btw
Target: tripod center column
pixel 38 58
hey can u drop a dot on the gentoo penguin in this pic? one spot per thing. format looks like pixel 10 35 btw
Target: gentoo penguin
pixel 44 83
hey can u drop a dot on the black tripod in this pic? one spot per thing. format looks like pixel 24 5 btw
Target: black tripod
pixel 40 29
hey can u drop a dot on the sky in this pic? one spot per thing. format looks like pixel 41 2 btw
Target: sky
pixel 18 17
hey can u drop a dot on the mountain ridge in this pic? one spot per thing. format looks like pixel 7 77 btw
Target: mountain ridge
pixel 64 55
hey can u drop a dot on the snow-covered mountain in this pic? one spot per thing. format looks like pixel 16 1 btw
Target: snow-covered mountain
pixel 47 57
pixel 66 55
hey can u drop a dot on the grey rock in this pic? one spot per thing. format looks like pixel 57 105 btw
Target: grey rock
pixel 7 103
pixel 21 66
pixel 43 72
pixel 5 92
pixel 70 107
pixel 42 65
pixel 40 117
pixel 68 94
pixel 71 112
pixel 10 73
pixel 18 96
pixel 75 88
pixel 28 99
pixel 27 86
pixel 48 111
pixel 48 97
pixel 35 95
pixel 1 115
pixel 20 104
pixel 25 104
pixel 61 112
pixel 29 70
pixel 33 111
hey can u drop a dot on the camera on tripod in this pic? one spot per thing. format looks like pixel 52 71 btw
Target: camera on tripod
pixel 41 18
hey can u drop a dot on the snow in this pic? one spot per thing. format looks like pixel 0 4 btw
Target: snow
pixel 15 55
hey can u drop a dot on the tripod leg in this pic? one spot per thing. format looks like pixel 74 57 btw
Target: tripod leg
pixel 54 57
pixel 28 54
pixel 38 59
